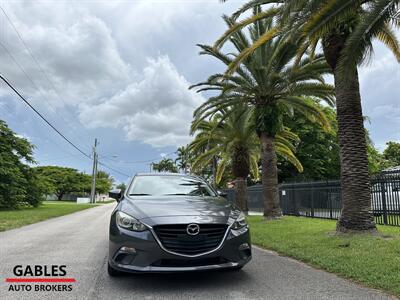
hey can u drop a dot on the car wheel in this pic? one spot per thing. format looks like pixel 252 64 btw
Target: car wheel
pixel 112 272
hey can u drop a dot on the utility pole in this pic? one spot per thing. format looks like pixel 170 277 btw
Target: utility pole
pixel 94 174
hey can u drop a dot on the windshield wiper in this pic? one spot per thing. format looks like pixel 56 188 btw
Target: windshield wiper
pixel 141 194
pixel 176 194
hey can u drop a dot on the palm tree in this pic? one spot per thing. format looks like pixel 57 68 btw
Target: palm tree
pixel 165 165
pixel 183 159
pixel 230 135
pixel 346 29
pixel 269 81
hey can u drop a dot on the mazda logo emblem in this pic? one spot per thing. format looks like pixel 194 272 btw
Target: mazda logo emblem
pixel 193 229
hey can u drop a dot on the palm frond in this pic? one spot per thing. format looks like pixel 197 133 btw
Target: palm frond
pixel 374 24
pixel 267 36
pixel 239 25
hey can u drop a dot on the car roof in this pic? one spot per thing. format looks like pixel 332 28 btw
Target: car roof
pixel 166 174
pixel 170 174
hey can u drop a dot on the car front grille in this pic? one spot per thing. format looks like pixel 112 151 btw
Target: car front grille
pixel 175 238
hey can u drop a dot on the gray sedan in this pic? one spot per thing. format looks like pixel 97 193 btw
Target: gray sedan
pixel 175 223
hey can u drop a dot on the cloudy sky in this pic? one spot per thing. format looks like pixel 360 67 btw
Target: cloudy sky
pixel 120 71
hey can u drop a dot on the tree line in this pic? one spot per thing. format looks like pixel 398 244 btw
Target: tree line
pixel 275 80
pixel 22 183
pixel 316 150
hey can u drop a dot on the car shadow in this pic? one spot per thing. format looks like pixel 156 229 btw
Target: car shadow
pixel 182 281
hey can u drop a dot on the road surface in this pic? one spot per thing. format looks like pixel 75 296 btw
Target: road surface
pixel 80 241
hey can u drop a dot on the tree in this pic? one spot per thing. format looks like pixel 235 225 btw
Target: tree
pixel 183 159
pixel 318 150
pixel 61 180
pixel 268 80
pixel 18 185
pixel 231 137
pixel 234 143
pixel 346 30
pixel 392 154
pixel 165 165
pixel 122 187
pixel 204 141
pixel 376 162
pixel 104 182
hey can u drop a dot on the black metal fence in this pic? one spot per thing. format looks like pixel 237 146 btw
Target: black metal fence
pixel 322 199
pixel 385 189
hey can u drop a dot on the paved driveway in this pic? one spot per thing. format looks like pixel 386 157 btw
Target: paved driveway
pixel 80 241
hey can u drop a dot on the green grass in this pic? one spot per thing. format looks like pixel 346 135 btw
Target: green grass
pixel 59 202
pixel 49 209
pixel 373 260
pixel 74 202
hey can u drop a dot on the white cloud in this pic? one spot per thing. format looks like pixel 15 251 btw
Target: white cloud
pixel 390 111
pixel 78 54
pixel 96 54
pixel 156 110
pixel 94 61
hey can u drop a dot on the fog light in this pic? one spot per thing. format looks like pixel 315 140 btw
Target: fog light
pixel 128 249
pixel 244 246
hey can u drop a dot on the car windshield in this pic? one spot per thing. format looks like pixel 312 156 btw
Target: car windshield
pixel 155 185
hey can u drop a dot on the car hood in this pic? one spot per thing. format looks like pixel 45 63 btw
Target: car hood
pixel 179 209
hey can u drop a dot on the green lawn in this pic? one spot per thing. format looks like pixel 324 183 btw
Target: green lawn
pixel 371 260
pixel 49 209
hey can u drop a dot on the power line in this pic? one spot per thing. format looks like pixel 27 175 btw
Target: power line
pixel 33 83
pixel 54 128
pixel 42 117
pixel 31 54
pixel 49 138
pixel 112 169
pixel 54 88
pixel 137 162
pixel 35 60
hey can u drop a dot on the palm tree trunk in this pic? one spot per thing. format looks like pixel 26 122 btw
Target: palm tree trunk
pixel 355 182
pixel 214 172
pixel 241 194
pixel 272 208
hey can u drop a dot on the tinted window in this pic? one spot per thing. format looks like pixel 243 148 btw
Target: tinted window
pixel 169 185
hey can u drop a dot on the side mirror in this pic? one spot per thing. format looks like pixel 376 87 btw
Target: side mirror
pixel 222 194
pixel 115 194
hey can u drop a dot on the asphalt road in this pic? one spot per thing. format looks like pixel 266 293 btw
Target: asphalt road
pixel 79 241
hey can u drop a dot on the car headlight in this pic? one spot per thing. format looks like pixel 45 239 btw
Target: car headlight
pixel 128 222
pixel 240 222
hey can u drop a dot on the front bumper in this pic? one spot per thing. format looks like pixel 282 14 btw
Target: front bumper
pixel 148 256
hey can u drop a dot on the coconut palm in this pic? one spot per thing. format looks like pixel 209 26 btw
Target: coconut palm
pixel 270 82
pixel 346 29
pixel 183 159
pixel 230 135
pixel 165 165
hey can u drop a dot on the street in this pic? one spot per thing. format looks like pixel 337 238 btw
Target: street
pixel 80 241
